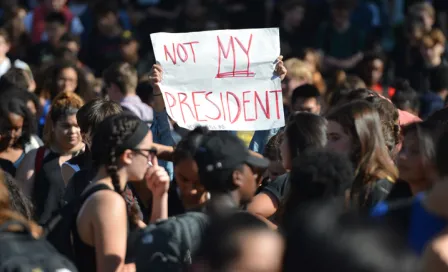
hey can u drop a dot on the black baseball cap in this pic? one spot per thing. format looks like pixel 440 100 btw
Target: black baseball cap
pixel 218 156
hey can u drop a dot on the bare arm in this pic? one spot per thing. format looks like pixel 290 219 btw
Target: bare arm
pixel 109 225
pixel 164 152
pixel 263 205
pixel 25 173
pixel 156 79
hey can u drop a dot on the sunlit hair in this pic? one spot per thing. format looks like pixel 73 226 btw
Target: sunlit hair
pixel 64 104
pixel 370 156
pixel 7 214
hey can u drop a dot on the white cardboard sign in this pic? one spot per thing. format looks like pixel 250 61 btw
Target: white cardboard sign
pixel 221 79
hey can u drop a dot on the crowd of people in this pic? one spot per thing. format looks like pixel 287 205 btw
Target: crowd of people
pixel 94 170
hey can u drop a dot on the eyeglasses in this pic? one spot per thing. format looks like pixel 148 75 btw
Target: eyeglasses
pixel 150 152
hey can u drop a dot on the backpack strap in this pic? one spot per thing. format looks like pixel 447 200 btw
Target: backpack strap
pixel 71 208
pixel 40 154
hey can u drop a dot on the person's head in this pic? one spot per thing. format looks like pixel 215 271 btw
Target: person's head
pixel 92 114
pixel 306 98
pixel 123 146
pixel 317 175
pixel 129 47
pixel 192 192
pixel 341 12
pixel 344 96
pixel 414 30
pixel 272 153
pixel 433 46
pixel 5 42
pixel 16 123
pixel 372 69
pixel 71 42
pixel 322 237
pixel 226 167
pixel 61 128
pixel 106 16
pixel 293 12
pixel 54 5
pixel 145 92
pixel 121 79
pixel 416 160
pixel 66 77
pixel 55 26
pixel 30 99
pixel 302 132
pixel 14 77
pixel 406 98
pixel 240 242
pixel 354 129
pixel 299 73
pixel 423 12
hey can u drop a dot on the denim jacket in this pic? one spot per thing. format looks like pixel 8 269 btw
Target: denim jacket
pixel 161 132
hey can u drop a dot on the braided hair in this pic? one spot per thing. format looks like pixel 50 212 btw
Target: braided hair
pixel 106 151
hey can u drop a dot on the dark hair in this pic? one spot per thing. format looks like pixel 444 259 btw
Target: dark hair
pixel 55 17
pixel 52 74
pixel 440 116
pixel 111 133
pixel 104 8
pixel 14 77
pixel 317 175
pixel 322 237
pixel 405 97
pixel 220 244
pixel 304 131
pixel 371 158
pixel 188 146
pixel 272 148
pixel 442 154
pixel 122 74
pixel 145 92
pixel 428 134
pixel 17 106
pixel 94 112
pixel 439 79
pixel 17 200
pixel 305 91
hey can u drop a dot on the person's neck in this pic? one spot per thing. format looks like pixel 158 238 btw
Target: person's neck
pixel 103 177
pixel 190 203
pixel 67 151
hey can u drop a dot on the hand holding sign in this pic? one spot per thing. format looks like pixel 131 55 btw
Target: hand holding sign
pixel 155 76
pixel 221 79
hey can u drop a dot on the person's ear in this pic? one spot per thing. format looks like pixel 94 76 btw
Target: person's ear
pixel 127 157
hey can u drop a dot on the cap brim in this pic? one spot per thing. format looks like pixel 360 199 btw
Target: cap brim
pixel 257 162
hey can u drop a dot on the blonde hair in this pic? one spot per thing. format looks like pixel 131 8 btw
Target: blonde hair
pixel 423 6
pixel 298 70
pixel 6 214
pixel 433 38
pixel 63 103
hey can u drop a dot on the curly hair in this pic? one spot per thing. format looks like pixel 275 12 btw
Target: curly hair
pixel 63 105
pixel 105 151
pixel 272 149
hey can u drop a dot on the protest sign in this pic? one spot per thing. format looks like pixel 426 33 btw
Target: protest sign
pixel 221 79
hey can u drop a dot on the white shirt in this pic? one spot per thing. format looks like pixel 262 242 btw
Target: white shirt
pixel 75 28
